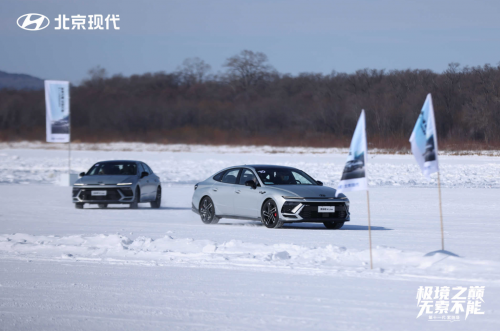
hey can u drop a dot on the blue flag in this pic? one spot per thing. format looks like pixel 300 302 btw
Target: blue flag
pixel 354 174
pixel 424 140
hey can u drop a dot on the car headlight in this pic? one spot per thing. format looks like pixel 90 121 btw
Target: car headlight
pixel 290 207
pixel 78 184
pixel 124 184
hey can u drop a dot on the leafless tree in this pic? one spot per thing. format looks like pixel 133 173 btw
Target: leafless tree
pixel 248 68
pixel 193 71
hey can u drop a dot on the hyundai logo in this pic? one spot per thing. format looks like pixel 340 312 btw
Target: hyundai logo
pixel 33 22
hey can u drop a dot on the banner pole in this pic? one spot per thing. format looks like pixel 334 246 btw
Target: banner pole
pixel 441 213
pixel 369 228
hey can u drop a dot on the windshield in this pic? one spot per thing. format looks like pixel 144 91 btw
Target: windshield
pixel 284 176
pixel 113 168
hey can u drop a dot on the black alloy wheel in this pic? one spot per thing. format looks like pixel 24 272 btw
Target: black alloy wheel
pixel 157 202
pixel 207 211
pixel 135 204
pixel 270 216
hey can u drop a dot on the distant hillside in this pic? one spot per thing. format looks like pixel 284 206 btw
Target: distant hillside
pixel 19 82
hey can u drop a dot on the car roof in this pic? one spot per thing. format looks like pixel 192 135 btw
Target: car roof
pixel 261 166
pixel 110 161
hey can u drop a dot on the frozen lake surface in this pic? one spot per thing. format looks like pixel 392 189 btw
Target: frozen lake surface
pixel 162 269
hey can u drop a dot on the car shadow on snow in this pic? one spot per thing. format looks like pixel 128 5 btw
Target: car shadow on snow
pixel 308 226
pixel 140 208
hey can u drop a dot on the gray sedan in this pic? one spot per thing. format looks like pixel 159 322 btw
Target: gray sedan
pixel 117 182
pixel 271 194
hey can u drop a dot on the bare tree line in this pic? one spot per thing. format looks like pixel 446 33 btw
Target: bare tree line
pixel 252 103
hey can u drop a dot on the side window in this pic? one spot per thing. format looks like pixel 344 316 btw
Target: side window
pixel 230 176
pixel 141 168
pixel 148 169
pixel 218 177
pixel 247 175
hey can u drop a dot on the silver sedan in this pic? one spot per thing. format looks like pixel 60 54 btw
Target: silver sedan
pixel 118 182
pixel 271 194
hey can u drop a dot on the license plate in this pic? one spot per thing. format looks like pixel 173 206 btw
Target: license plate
pixel 98 193
pixel 326 209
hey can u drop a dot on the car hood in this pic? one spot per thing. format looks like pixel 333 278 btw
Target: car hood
pixel 106 180
pixel 306 191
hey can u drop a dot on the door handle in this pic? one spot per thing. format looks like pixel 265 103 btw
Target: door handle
pixel 237 191
pixel 262 192
pixel 214 189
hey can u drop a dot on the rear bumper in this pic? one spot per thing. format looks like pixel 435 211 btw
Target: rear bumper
pixel 114 195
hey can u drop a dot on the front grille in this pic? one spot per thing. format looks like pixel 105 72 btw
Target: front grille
pixel 75 191
pixel 111 194
pixel 310 210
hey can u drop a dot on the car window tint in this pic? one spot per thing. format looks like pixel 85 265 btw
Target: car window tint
pixel 141 168
pixel 113 168
pixel 148 169
pixel 218 177
pixel 145 167
pixel 284 176
pixel 247 175
pixel 230 176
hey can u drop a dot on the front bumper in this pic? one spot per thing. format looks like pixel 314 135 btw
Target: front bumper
pixel 114 194
pixel 307 211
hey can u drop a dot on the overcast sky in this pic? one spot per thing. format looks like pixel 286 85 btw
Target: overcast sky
pixel 297 36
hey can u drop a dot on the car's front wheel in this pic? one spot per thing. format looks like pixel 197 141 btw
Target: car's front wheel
pixel 157 202
pixel 135 204
pixel 79 205
pixel 270 216
pixel 207 211
pixel 333 225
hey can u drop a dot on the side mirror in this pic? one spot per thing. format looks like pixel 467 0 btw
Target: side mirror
pixel 144 174
pixel 251 183
pixel 81 174
pixel 320 183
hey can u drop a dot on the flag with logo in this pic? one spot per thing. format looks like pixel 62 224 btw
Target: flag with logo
pixel 354 174
pixel 57 111
pixel 424 140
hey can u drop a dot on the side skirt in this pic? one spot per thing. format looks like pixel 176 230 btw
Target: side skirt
pixel 239 217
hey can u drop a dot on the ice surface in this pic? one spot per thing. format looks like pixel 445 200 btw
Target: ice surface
pixel 121 269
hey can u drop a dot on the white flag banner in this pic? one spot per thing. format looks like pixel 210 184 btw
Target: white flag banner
pixel 57 111
pixel 354 174
pixel 424 140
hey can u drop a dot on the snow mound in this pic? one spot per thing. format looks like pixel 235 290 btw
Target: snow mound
pixel 238 254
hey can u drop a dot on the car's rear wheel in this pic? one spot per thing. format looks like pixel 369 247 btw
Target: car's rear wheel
pixel 270 216
pixel 102 205
pixel 79 205
pixel 135 204
pixel 207 211
pixel 333 225
pixel 157 202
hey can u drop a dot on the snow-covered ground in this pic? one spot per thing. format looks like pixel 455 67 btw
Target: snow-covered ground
pixel 40 166
pixel 93 269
